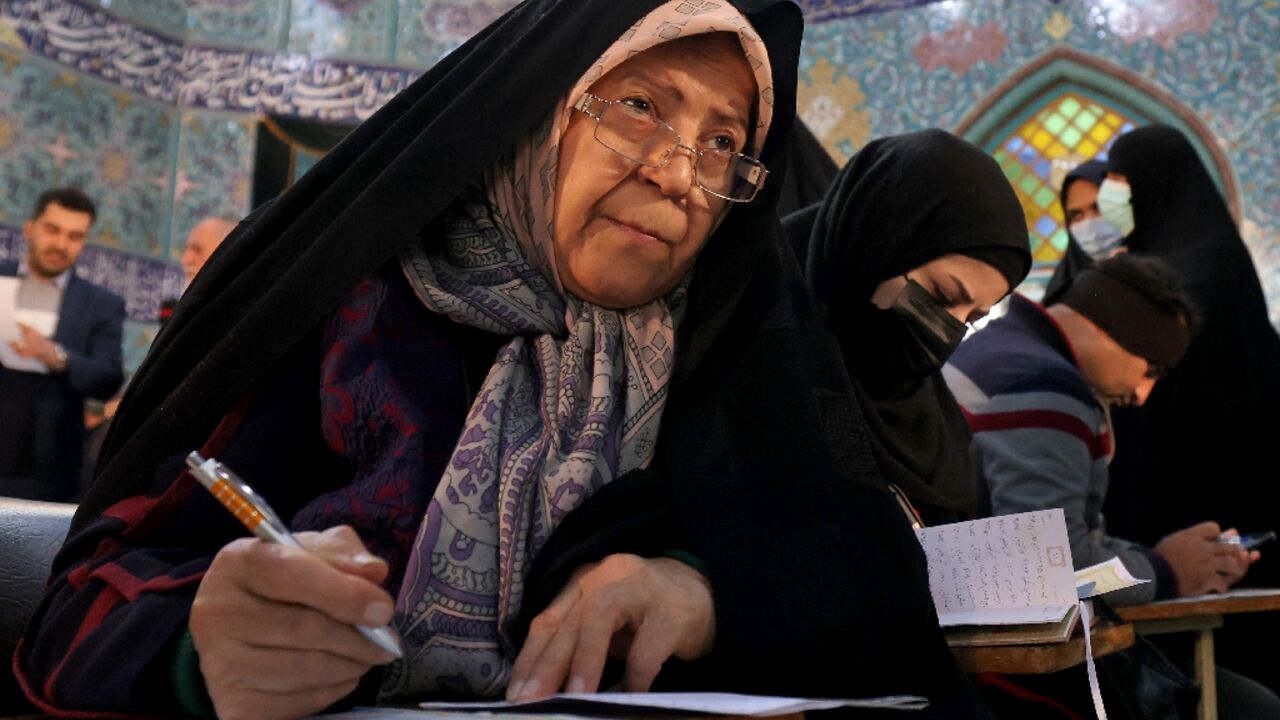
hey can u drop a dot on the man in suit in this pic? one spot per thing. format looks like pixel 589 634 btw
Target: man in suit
pixel 46 376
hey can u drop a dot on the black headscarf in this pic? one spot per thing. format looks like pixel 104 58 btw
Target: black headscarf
pixel 1203 446
pixel 1213 420
pixel 1075 260
pixel 290 263
pixel 901 202
pixel 1178 213
pixel 810 171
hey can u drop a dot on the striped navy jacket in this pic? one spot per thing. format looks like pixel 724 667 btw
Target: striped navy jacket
pixel 1042 439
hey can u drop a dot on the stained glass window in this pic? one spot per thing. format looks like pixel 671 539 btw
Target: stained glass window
pixel 1037 152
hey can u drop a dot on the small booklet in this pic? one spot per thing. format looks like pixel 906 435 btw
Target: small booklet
pixel 1009 580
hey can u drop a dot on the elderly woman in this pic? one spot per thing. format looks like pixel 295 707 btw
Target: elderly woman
pixel 510 361
pixel 919 235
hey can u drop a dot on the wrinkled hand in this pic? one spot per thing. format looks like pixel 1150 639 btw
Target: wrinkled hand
pixel 34 345
pixel 1201 563
pixel 642 610
pixel 272 624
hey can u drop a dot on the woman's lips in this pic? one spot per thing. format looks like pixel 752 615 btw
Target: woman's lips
pixel 638 233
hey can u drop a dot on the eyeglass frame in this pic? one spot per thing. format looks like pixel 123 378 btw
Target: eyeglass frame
pixel 587 100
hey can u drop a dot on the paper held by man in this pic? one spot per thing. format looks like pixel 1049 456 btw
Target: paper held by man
pixel 1008 580
pixel 42 322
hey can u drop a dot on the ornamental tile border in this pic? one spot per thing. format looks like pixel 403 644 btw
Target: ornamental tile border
pixel 87 39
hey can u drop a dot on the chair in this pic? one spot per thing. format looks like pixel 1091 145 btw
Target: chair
pixel 31 533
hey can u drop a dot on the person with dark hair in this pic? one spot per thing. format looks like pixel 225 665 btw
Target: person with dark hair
pixel 1090 236
pixel 62 344
pixel 537 381
pixel 1214 417
pixel 899 280
pixel 1036 386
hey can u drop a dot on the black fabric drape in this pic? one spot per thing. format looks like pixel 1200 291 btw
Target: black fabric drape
pixel 1211 422
pixel 810 171
pixel 901 202
pixel 1075 260
pixel 1210 426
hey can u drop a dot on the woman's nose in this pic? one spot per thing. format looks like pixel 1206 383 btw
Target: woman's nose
pixel 675 177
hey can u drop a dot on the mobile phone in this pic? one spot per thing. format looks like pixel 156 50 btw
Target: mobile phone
pixel 1253 540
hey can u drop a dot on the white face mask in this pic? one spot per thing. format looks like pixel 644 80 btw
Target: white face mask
pixel 1114 204
pixel 1097 237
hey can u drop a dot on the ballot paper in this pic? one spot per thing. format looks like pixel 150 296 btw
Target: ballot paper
pixel 1105 577
pixel 1004 570
pixel 1008 580
pixel 614 704
pixel 43 322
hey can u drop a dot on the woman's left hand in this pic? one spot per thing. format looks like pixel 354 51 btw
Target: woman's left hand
pixel 645 610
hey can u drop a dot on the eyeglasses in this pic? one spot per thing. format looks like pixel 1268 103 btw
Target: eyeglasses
pixel 639 136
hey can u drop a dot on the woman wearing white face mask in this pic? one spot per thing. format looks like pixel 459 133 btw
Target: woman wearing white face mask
pixel 1212 419
pixel 1091 236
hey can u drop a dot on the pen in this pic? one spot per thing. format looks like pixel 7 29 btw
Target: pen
pixel 253 511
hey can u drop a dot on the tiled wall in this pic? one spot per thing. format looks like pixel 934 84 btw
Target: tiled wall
pixel 882 73
pixel 153 170
pixel 408 33
pixel 151 104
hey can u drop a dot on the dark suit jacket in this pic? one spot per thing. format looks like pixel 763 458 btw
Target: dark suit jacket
pixel 90 328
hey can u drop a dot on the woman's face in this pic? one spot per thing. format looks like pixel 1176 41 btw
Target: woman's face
pixel 965 286
pixel 626 234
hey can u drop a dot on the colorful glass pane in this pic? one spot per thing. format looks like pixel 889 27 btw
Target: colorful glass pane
pixel 1067 129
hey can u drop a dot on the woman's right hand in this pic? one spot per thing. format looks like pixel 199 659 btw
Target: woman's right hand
pixel 272 624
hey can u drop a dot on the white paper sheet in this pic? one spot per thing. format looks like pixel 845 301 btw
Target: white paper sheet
pixel 711 703
pixel 1106 577
pixel 1001 570
pixel 10 315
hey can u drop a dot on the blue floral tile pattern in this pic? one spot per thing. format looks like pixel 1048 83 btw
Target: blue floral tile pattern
pixel 350 29
pixel 430 29
pixel 1218 57
pixel 60 128
pixel 245 23
pixel 95 43
pixel 215 171
pixel 138 336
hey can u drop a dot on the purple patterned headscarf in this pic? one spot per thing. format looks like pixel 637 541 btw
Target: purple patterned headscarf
pixel 573 401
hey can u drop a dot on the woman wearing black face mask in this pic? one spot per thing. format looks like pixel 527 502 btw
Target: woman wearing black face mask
pixel 919 235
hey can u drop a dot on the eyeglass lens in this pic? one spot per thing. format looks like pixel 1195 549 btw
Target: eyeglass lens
pixel 639 136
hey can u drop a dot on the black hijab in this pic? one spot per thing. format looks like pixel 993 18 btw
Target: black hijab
pixel 1075 260
pixel 901 202
pixel 1213 418
pixel 291 262
pixel 1179 215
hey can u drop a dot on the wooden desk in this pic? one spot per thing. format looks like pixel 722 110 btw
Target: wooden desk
pixel 1038 659
pixel 1202 616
